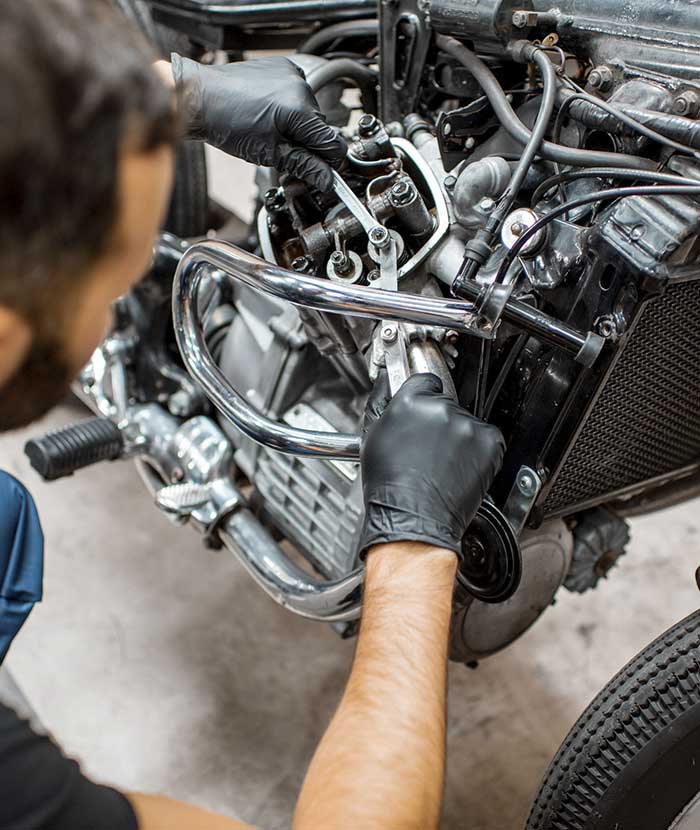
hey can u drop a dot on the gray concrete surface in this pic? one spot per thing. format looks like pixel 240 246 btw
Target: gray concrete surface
pixel 162 667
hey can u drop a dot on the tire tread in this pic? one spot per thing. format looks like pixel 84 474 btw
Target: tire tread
pixel 642 700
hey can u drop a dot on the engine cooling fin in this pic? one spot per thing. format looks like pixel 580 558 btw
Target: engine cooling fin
pixel 645 424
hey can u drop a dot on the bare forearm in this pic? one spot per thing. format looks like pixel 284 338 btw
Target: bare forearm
pixel 381 762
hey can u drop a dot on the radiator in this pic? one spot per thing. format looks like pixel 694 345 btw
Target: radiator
pixel 646 422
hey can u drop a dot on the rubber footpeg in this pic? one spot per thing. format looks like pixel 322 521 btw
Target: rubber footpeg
pixel 63 451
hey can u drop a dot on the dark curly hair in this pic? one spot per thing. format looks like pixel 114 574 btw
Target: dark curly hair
pixel 77 86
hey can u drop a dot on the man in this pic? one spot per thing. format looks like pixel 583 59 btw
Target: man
pixel 87 127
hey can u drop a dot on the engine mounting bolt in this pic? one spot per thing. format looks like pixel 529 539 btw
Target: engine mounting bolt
pixel 379 236
pixel 367 125
pixel 402 193
pixel 487 205
pixel 687 103
pixel 601 78
pixel 389 334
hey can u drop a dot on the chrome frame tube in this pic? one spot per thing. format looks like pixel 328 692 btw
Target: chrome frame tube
pixel 290 586
pixel 266 562
pixel 323 295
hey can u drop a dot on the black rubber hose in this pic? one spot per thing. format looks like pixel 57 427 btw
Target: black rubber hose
pixel 346 69
pixel 608 173
pixel 591 198
pixel 631 124
pixel 683 130
pixel 549 97
pixel 517 130
pixel 316 42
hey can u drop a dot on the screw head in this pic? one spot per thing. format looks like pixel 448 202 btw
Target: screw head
pixel 687 103
pixel 470 143
pixel 601 78
pixel 367 125
pixel 302 264
pixel 389 334
pixel 527 484
pixel 520 19
pixel 379 236
pixel 402 192
pixel 487 205
pixel 450 182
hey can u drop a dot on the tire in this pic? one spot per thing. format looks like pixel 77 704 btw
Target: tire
pixel 629 763
pixel 188 214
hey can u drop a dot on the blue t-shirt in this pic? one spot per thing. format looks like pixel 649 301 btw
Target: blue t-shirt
pixel 21 558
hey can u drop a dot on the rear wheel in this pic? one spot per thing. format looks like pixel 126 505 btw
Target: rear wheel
pixel 630 762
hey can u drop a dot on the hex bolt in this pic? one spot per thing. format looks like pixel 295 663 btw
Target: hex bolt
pixel 601 78
pixel 379 236
pixel 341 263
pixel 401 193
pixel 373 275
pixel 607 327
pixel 368 125
pixel 274 199
pixel 487 205
pixel 687 103
pixel 389 334
pixel 520 19
pixel 450 182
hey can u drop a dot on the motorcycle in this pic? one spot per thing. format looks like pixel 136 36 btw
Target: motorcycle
pixel 518 214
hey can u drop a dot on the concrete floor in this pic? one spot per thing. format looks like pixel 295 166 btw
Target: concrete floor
pixel 162 667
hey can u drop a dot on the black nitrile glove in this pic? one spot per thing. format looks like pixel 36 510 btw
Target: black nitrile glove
pixel 262 111
pixel 426 465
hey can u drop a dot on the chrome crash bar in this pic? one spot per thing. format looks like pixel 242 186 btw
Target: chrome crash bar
pixel 323 295
pixel 337 298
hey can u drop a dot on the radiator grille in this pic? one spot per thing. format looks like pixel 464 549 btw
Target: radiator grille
pixel 646 422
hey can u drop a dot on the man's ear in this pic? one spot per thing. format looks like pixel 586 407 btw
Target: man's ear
pixel 15 341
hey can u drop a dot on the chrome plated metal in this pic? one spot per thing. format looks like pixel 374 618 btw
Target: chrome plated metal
pixel 182 499
pixel 280 578
pixel 208 499
pixel 354 205
pixel 300 290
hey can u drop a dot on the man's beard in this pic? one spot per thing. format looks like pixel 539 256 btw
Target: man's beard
pixel 41 382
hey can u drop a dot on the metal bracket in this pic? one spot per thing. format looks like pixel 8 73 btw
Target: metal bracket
pixel 395 355
pixel 522 497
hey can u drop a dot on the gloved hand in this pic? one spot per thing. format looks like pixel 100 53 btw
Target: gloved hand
pixel 426 465
pixel 262 111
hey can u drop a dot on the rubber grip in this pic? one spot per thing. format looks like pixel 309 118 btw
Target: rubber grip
pixel 63 451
